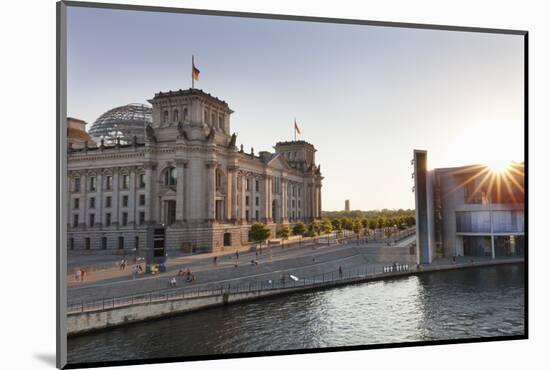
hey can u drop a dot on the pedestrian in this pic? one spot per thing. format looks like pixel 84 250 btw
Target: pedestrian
pixel 134 272
pixel 215 260
pixel 188 272
pixel 237 254
pixel 77 274
pixel 82 274
pixel 340 270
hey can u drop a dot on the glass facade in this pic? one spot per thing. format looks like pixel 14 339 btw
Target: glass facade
pixel 480 222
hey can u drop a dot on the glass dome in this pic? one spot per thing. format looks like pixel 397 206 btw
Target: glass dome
pixel 123 122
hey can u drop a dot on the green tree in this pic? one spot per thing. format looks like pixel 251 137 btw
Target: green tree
pixel 372 224
pixel 337 224
pixel 356 227
pixel 299 228
pixel 284 233
pixel 259 232
pixel 364 223
pixel 326 226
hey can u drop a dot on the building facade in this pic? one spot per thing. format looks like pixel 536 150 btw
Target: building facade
pixel 468 211
pixel 347 206
pixel 189 176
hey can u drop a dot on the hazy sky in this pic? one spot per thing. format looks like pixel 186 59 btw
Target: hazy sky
pixel 364 96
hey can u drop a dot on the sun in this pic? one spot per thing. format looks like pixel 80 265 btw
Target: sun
pixel 498 165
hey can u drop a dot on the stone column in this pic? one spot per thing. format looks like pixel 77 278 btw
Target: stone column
pixel 243 198
pixel 132 198
pixel 148 192
pixel 99 199
pixel 269 197
pixel 284 200
pixel 116 195
pixel 210 191
pixel 252 198
pixel 180 190
pixel 234 216
pixel 83 201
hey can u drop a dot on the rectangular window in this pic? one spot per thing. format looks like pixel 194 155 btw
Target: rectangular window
pixel 125 201
pixel 257 215
pixel 104 242
pixel 141 218
pixel 257 185
pixel 92 183
pixel 76 203
pixel 293 191
pixel 142 199
pixel 220 124
pixel 108 182
pixel 293 203
pixel 124 218
pixel 77 184
pixel 75 220
pixel 299 204
pixel 120 242
pixel 299 192
pixel 92 202
pixel 92 220
pixel 247 216
pixel 246 200
pixel 87 243
pixel 125 181
pixel 107 219
pixel 108 201
pixel 247 184
pixel 142 180
pixel 257 201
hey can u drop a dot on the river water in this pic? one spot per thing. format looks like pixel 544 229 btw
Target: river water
pixel 468 303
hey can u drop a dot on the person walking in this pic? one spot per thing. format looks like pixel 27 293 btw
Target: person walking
pixel 77 274
pixel 340 272
pixel 215 260
pixel 237 255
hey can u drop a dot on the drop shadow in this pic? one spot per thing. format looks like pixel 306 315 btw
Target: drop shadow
pixel 47 358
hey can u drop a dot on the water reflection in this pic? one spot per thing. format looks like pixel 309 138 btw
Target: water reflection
pixel 467 303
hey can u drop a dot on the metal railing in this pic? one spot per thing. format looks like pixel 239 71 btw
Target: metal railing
pixel 226 288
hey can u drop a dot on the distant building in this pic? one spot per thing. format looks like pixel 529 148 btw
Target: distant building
pixel 77 137
pixel 347 205
pixel 468 211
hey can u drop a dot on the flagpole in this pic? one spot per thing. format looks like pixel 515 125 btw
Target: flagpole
pixel 192 66
pixel 294 128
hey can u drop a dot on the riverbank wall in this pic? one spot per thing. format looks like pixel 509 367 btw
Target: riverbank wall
pixel 148 307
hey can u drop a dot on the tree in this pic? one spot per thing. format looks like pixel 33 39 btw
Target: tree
pixel 284 233
pixel 337 224
pixel 364 223
pixel 357 227
pixel 372 224
pixel 259 232
pixel 299 228
pixel 326 226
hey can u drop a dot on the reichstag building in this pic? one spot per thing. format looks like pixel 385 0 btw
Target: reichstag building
pixel 184 172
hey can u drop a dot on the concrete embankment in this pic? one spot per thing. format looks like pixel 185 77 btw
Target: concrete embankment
pixel 83 322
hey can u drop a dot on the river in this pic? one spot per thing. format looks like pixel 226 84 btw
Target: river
pixel 467 303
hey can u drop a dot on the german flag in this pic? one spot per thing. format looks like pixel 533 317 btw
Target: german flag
pixel 195 73
pixel 296 128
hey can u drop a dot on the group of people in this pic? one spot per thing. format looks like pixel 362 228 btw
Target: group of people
pixel 80 273
pixel 190 277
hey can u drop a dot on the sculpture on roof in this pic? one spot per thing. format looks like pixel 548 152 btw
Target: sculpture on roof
pixel 182 132
pixel 232 141
pixel 150 134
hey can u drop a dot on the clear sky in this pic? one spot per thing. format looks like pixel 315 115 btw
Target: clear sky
pixel 364 96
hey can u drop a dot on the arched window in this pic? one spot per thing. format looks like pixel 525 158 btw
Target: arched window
pixel 170 176
pixel 176 116
pixel 165 117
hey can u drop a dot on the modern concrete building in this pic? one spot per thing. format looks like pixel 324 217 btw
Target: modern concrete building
pixel 347 207
pixel 468 211
pixel 189 176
